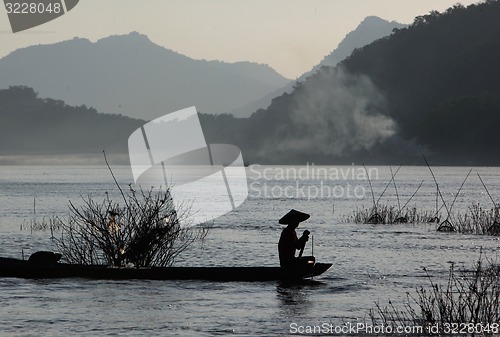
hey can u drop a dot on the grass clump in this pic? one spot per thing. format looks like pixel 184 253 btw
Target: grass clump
pixel 386 214
pixel 52 224
pixel 478 220
pixel 468 303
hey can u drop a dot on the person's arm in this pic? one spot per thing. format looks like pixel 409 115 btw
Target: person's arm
pixel 300 243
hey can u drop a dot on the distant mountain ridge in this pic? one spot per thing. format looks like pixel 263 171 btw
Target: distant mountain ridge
pixel 431 88
pixel 32 126
pixel 369 30
pixel 132 76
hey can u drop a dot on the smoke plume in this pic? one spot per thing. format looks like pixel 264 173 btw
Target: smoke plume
pixel 333 113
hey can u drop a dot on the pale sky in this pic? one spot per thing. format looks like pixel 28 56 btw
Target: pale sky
pixel 291 36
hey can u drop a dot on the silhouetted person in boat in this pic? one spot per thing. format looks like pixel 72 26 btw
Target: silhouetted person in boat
pixel 289 242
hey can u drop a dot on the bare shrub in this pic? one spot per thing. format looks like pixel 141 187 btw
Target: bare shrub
pixel 144 230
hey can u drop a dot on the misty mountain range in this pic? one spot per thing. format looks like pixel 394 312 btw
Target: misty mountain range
pixel 431 88
pixel 370 29
pixel 132 76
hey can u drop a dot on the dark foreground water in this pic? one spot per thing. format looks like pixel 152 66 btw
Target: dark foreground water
pixel 372 263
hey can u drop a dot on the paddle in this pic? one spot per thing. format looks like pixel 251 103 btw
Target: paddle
pixel 301 251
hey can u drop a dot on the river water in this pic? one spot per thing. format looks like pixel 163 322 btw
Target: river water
pixel 371 263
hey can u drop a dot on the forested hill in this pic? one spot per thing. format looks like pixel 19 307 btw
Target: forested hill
pixel 441 77
pixel 31 125
pixel 430 88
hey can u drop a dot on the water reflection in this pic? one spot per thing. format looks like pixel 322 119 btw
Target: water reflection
pixel 294 297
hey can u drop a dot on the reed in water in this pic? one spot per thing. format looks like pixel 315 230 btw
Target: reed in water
pixel 469 301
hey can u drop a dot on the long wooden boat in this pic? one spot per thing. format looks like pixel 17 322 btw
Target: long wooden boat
pixel 10 267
